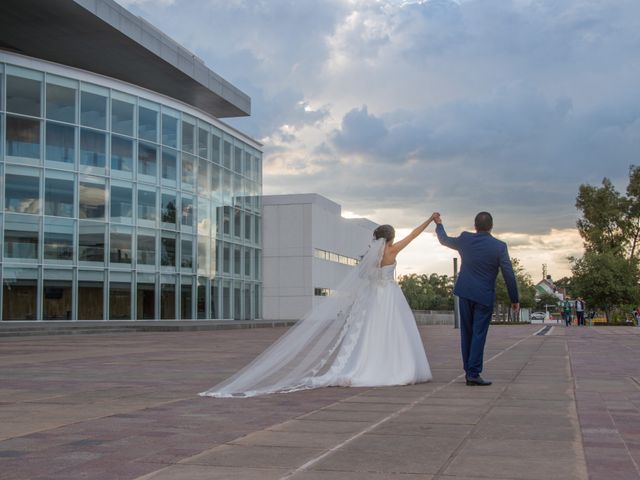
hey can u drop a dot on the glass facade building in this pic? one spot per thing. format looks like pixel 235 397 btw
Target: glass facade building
pixel 117 203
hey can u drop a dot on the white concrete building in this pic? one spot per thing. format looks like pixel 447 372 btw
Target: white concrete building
pixel 308 247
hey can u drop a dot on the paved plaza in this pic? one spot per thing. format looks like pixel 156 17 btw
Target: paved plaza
pixel 565 405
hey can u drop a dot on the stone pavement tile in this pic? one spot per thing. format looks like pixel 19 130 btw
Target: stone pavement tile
pixel 172 454
pixel 542 391
pixel 606 384
pixel 254 456
pixel 525 431
pixel 292 439
pixel 344 475
pixel 465 477
pixel 313 426
pixel 518 416
pixel 610 463
pixel 31 466
pixel 364 407
pixel 398 400
pixel 423 429
pixel 519 459
pixel 200 472
pixel 450 409
pixel 328 414
pixel 99 470
pixel 460 390
pixel 454 401
pixel 419 418
pixel 391 454
pixel 550 405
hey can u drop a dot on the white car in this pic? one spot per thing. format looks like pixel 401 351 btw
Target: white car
pixel 537 316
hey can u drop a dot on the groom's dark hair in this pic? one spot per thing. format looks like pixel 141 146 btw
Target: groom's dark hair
pixel 484 222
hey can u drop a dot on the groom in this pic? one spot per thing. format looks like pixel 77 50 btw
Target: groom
pixel 482 255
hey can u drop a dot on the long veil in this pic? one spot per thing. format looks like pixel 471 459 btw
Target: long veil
pixel 312 346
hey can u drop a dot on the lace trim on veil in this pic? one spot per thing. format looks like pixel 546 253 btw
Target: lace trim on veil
pixel 317 346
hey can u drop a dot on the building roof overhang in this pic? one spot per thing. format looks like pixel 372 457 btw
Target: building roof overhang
pixel 102 37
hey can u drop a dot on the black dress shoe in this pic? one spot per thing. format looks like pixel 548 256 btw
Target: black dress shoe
pixel 477 381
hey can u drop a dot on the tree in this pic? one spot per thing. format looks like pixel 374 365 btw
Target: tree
pixel 526 290
pixel 567 284
pixel 605 280
pixel 610 221
pixel 603 217
pixel 607 275
pixel 545 299
pixel 428 292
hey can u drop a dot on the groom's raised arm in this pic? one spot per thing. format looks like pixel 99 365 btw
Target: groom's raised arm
pixel 443 238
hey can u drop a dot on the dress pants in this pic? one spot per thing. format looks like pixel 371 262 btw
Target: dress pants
pixel 474 325
pixel 580 316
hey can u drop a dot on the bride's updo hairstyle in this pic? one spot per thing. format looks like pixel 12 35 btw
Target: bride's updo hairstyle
pixel 385 231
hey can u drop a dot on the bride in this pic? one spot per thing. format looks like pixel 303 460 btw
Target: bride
pixel 362 335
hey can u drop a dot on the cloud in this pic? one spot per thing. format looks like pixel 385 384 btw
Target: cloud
pixel 395 108
pixel 359 132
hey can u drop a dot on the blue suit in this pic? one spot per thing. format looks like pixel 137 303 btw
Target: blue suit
pixel 482 255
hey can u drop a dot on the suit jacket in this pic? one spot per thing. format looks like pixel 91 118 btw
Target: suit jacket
pixel 482 255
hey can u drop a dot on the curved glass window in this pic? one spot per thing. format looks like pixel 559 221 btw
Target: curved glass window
pixel 92 200
pixel 122 117
pixel 121 154
pixel 21 234
pixel 169 164
pixel 93 110
pixel 120 245
pixel 147 205
pixel 146 247
pixel 112 201
pixel 168 209
pixel 91 242
pixel 58 239
pixel 147 124
pixel 22 193
pixel 23 137
pixel 61 103
pixel 147 154
pixel 93 148
pixel 169 131
pixel 58 197
pixel 168 249
pixel 60 142
pixel 121 203
pixel 23 95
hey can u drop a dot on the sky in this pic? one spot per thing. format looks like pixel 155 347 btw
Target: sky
pixel 395 109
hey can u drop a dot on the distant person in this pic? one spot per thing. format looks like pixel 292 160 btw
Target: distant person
pixel 636 315
pixel 580 305
pixel 482 256
pixel 566 313
pixel 363 335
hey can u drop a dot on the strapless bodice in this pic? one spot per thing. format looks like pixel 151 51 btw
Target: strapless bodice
pixel 387 273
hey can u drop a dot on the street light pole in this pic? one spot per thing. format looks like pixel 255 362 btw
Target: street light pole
pixel 456 305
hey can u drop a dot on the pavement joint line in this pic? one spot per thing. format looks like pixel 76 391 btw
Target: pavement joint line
pixel 575 401
pixel 391 416
pixel 465 440
pixel 613 422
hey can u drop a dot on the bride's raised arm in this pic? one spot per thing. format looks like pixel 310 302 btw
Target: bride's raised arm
pixel 400 244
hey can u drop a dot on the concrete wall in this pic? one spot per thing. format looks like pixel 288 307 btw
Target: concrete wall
pixel 294 227
pixel 428 317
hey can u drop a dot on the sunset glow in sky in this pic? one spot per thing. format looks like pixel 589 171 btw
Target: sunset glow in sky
pixel 395 109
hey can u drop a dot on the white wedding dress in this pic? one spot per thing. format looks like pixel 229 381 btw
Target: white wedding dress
pixel 363 335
